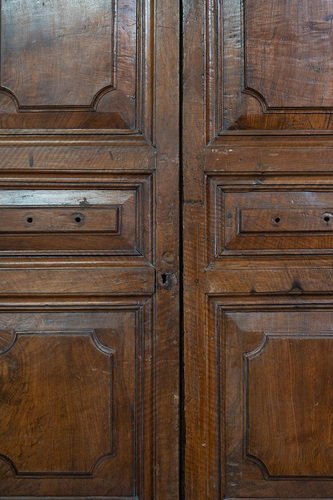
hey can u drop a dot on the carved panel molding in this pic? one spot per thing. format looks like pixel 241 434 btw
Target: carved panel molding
pixel 76 65
pixel 282 216
pixel 270 365
pixel 79 36
pixel 110 219
pixel 266 78
pixel 76 399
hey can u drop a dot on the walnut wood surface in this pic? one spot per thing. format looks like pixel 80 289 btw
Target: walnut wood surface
pixel 257 159
pixel 89 236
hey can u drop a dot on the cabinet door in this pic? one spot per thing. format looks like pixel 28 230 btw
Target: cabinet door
pixel 258 214
pixel 89 249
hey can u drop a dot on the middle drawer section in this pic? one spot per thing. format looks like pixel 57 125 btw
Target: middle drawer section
pixel 113 218
pixel 269 216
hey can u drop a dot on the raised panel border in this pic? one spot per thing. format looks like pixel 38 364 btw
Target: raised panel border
pixel 216 133
pixel 95 99
pixel 142 186
pixel 214 348
pixel 145 374
pixel 217 185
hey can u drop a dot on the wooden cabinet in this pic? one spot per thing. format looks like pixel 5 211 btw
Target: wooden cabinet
pixel 258 283
pixel 89 302
pixel 91 350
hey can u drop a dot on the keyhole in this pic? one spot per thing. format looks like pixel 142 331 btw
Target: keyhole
pixel 164 277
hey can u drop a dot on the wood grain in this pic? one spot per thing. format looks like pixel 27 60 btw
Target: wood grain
pixel 268 68
pixel 257 163
pixel 89 251
pixel 85 64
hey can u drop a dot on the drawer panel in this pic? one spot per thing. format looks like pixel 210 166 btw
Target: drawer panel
pixel 269 220
pixel 111 221
pixel 275 220
pixel 58 219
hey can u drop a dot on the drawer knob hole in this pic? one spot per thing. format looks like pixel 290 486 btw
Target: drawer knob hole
pixel 30 220
pixel 78 218
pixel 277 220
pixel 327 218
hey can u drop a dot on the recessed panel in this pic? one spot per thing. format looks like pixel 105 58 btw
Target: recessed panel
pixel 287 57
pixel 271 66
pixel 294 373
pixel 75 37
pixel 71 418
pixel 52 389
pixel 276 384
pixel 70 65
pixel 111 221
pixel 270 221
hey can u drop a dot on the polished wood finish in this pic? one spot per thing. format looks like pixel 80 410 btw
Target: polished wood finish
pixel 272 219
pixel 285 63
pixel 72 402
pixel 257 157
pixel 111 218
pixel 89 235
pixel 270 76
pixel 85 62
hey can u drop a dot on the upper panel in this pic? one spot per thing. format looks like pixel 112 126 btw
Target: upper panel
pixel 72 55
pixel 271 66
pixel 288 58
pixel 71 65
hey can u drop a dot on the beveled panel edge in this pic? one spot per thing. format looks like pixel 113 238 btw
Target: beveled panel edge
pixel 143 133
pixel 217 307
pixel 215 135
pixel 143 308
pixel 219 183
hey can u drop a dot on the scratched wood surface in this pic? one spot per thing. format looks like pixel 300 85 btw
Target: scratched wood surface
pixel 89 284
pixel 257 159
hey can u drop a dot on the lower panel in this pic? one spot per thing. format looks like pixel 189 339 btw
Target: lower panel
pixel 76 402
pixel 274 419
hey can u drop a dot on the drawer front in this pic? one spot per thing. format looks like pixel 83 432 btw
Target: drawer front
pixel 30 220
pixel 112 221
pixel 270 221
